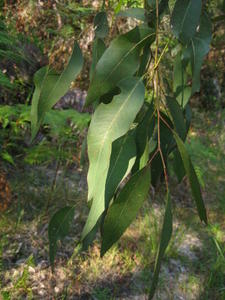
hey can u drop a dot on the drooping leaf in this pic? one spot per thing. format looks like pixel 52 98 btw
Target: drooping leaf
pixel 162 8
pixel 193 179
pixel 50 87
pixel 121 161
pixel 180 88
pixel 197 49
pixel 134 12
pixel 58 228
pixel 101 25
pixel 178 166
pixel 119 61
pixel 166 144
pixel 144 131
pixel 144 59
pixel 185 19
pixel 177 116
pixel 125 208
pixel 166 234
pixel 110 121
pixel 97 51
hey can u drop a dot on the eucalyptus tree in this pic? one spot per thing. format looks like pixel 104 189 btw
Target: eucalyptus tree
pixel 141 118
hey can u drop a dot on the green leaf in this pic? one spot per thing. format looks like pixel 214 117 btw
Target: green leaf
pixel 97 51
pixel 178 166
pixel 110 121
pixel 193 179
pixel 144 131
pixel 185 19
pixel 197 49
pixel 58 228
pixel 7 157
pixel 144 59
pixel 58 120
pixel 119 61
pixel 101 25
pixel 164 241
pixel 177 116
pixel 136 13
pixel 125 208
pixel 121 161
pixel 50 87
pixel 180 88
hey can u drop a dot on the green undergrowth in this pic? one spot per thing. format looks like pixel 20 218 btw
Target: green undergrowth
pixel 194 263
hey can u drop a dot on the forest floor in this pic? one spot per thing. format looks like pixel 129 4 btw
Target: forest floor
pixel 194 265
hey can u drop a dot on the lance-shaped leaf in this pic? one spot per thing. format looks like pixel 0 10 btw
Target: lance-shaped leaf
pixel 58 228
pixel 180 88
pixel 110 121
pixel 178 166
pixel 185 19
pixel 97 51
pixel 134 12
pixel 144 131
pixel 125 208
pixel 119 61
pixel 197 49
pixel 50 87
pixel 121 161
pixel 193 179
pixel 177 116
pixel 101 25
pixel 164 241
pixel 144 59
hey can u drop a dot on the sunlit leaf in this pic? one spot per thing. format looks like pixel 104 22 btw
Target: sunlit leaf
pixel 50 87
pixel 119 61
pixel 110 121
pixel 133 12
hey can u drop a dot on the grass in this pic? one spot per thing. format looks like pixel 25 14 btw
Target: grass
pixel 194 265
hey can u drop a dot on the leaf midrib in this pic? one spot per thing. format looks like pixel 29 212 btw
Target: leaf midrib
pixel 113 121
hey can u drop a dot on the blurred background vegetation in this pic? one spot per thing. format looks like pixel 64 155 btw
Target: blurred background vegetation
pixel 35 33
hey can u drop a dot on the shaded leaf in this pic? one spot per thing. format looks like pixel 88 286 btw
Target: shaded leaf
pixel 109 122
pixel 121 161
pixel 180 88
pixel 178 166
pixel 97 51
pixel 164 241
pixel 193 179
pixel 101 25
pixel 125 208
pixel 144 60
pixel 177 116
pixel 119 61
pixel 58 228
pixel 185 19
pixel 144 131
pixel 197 49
